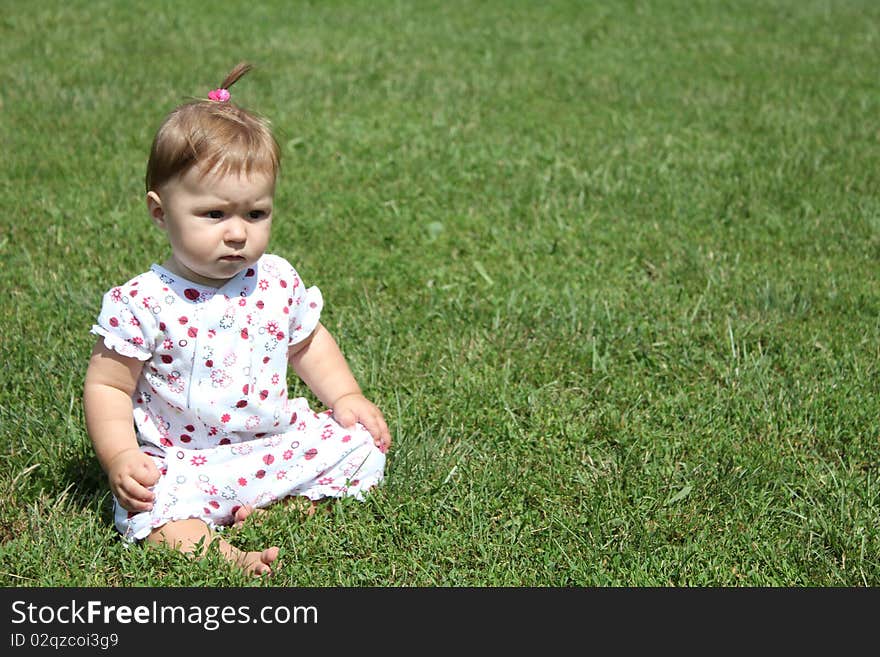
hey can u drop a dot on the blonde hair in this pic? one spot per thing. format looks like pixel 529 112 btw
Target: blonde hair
pixel 219 137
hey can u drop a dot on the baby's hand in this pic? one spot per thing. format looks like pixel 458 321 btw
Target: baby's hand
pixel 357 408
pixel 130 473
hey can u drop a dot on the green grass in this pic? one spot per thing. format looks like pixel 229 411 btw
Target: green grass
pixel 609 268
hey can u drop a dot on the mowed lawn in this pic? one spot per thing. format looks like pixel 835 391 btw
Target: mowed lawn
pixel 610 269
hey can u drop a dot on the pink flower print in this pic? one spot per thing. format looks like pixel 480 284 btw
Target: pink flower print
pixel 138 341
pixel 325 480
pixel 134 321
pixel 264 284
pixel 220 378
pixel 242 302
pixel 242 481
pixel 252 422
pixel 346 438
pixel 162 426
pixel 211 333
pixel 116 294
pixel 288 454
pixel 212 431
pixel 168 345
pixel 301 426
pixel 229 359
pixel 175 384
pixel 264 498
pixel 272 327
pixel 326 433
pixel 275 379
pixel 281 474
pixel 225 418
pixel 198 459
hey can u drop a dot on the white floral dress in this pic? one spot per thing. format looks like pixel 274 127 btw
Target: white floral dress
pixel 211 405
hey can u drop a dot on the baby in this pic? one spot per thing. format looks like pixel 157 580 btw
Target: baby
pixel 185 395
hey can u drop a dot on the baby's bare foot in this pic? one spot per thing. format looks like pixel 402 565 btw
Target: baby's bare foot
pixel 258 563
pixel 255 562
pixel 302 504
pixel 243 512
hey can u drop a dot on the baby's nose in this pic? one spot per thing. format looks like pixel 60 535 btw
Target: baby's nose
pixel 235 231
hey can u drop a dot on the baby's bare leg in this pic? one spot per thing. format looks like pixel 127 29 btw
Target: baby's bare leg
pixel 185 535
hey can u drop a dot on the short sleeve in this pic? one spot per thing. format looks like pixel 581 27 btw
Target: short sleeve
pixel 305 307
pixel 121 328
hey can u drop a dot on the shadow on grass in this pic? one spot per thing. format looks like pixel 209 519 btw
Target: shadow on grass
pixel 87 486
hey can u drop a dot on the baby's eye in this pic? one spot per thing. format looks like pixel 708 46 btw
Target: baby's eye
pixel 215 214
pixel 257 214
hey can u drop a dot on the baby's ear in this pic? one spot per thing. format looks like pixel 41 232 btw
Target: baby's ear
pixel 154 207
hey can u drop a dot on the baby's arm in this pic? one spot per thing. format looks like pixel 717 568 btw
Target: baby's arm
pixel 110 381
pixel 318 361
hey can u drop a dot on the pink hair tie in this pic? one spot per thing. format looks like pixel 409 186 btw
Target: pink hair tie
pixel 219 95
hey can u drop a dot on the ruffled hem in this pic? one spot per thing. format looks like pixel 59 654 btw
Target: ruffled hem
pixel 131 535
pixel 136 535
pixel 119 345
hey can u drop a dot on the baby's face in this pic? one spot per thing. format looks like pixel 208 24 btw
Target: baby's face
pixel 217 224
